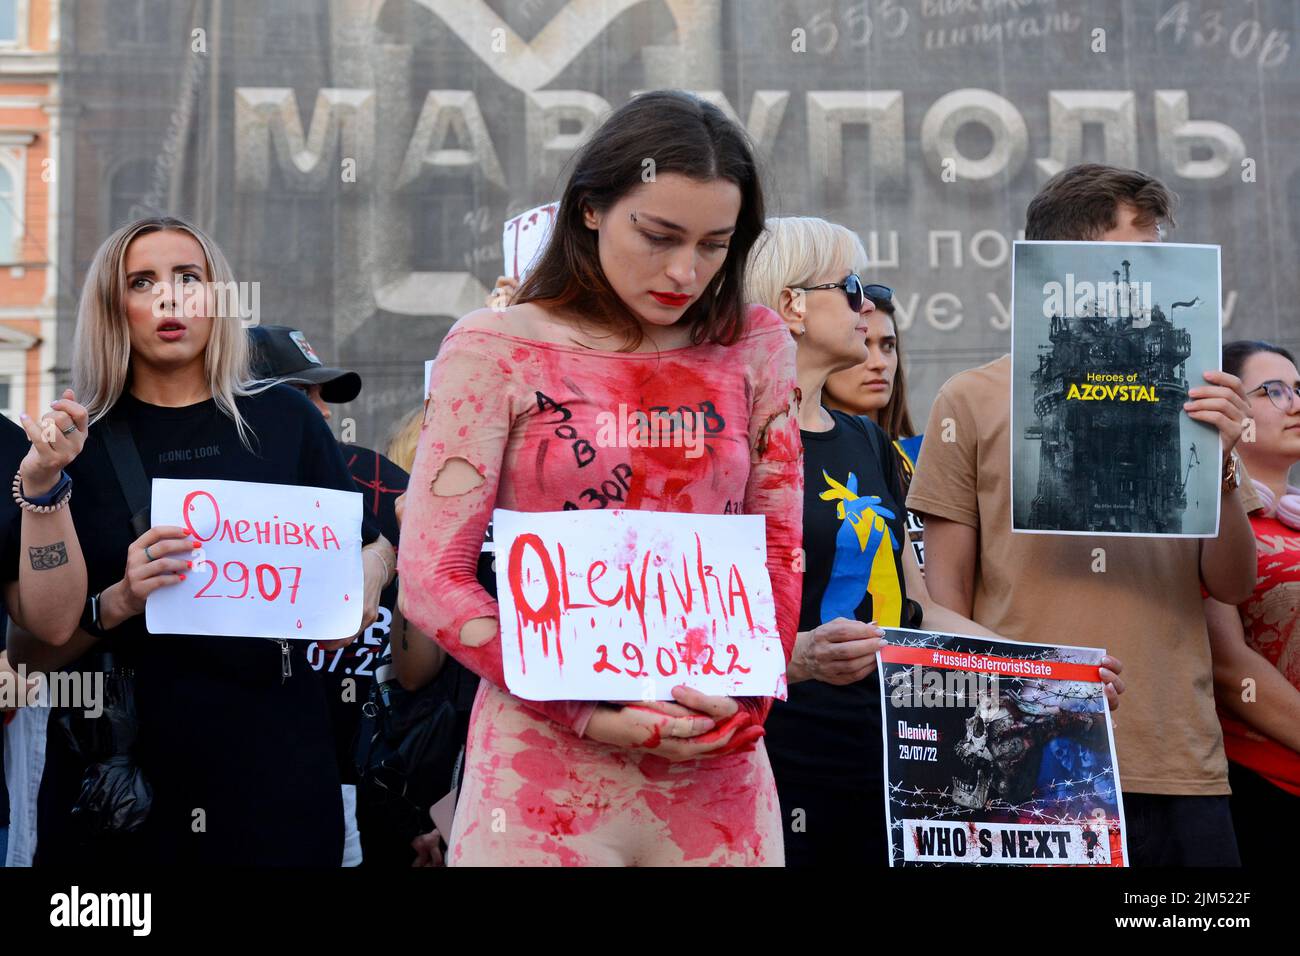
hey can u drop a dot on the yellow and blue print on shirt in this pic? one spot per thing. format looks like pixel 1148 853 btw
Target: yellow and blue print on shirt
pixel 862 565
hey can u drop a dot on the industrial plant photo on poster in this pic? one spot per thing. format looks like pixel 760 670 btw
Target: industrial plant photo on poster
pixel 1106 340
pixel 998 753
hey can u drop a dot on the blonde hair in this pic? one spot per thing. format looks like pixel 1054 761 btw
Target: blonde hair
pixel 101 356
pixel 406 438
pixel 793 251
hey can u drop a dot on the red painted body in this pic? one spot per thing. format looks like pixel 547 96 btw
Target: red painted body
pixel 526 416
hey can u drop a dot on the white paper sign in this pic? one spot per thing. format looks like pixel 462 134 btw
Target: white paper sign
pixel 524 237
pixel 625 605
pixel 276 561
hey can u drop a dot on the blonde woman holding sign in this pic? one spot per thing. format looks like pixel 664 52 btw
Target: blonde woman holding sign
pixel 233 733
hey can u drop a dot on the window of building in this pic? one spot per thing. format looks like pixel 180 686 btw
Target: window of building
pixel 10 228
pixel 8 21
pixel 140 22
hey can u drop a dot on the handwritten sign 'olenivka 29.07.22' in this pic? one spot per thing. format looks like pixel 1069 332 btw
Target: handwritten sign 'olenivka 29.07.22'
pixel 625 605
pixel 277 561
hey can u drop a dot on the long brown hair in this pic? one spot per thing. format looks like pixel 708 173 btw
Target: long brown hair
pixel 894 416
pixel 666 131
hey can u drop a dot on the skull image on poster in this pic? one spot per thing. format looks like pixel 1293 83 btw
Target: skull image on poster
pixel 1016 735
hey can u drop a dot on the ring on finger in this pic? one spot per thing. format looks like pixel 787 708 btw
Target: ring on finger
pixel 147 555
pixel 70 429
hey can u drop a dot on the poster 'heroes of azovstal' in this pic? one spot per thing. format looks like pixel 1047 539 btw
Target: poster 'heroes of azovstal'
pixel 1107 339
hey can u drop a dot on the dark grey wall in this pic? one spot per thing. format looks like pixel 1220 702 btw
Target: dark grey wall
pixel 907 121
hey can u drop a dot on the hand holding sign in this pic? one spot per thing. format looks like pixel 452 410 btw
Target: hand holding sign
pixel 160 557
pixel 278 561
pixel 837 652
pixel 524 237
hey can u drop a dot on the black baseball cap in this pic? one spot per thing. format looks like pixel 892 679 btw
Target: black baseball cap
pixel 283 353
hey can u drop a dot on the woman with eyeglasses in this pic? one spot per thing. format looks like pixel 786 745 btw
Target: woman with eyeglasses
pixel 1256 646
pixel 825 741
pixel 877 388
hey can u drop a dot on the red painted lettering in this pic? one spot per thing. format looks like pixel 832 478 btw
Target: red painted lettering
pixel 736 587
pixel 631 597
pixel 699 564
pixel 548 614
pixel 190 504
pixel 564 581
pixel 591 584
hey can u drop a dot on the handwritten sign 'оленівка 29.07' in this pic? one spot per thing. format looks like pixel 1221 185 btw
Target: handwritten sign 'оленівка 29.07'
pixel 277 560
pixel 625 605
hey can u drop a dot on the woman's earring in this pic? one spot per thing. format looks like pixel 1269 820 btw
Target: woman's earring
pixel 802 330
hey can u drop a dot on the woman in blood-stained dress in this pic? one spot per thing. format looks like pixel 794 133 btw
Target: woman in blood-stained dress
pixel 634 306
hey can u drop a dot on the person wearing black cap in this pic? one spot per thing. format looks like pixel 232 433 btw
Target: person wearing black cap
pixel 283 354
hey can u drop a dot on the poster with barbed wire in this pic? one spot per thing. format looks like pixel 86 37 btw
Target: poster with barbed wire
pixel 997 753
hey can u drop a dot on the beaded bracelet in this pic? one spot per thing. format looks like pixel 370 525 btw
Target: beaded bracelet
pixel 38 509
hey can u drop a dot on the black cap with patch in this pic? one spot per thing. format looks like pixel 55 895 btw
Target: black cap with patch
pixel 283 353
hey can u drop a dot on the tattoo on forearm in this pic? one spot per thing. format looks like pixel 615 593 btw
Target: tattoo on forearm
pixel 48 556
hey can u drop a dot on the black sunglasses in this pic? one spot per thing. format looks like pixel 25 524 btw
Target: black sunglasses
pixel 854 290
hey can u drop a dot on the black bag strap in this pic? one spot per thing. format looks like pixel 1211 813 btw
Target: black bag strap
pixel 125 458
pixel 882 446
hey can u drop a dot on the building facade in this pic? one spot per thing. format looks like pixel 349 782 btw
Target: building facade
pixel 29 275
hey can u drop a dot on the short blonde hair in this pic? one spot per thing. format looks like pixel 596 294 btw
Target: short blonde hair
pixel 101 351
pixel 793 251
pixel 406 438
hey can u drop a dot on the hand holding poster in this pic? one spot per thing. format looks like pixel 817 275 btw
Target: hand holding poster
pixel 998 752
pixel 1106 340
pixel 524 237
pixel 625 605
pixel 276 560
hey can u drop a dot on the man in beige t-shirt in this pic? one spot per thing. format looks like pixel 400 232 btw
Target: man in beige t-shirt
pixel 1138 597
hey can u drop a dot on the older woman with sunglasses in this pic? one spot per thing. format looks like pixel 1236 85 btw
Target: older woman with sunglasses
pixel 1256 646
pixel 825 740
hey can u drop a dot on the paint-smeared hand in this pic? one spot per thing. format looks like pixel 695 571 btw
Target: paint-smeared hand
pixel 649 726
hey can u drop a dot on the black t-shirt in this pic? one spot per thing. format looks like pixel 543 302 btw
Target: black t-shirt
pixel 13 447
pixel 241 759
pixel 853 569
pixel 349 674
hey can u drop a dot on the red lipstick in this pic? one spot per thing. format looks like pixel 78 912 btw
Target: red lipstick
pixel 673 300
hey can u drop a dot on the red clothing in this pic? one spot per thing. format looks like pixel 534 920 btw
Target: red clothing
pixel 524 414
pixel 1271 621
